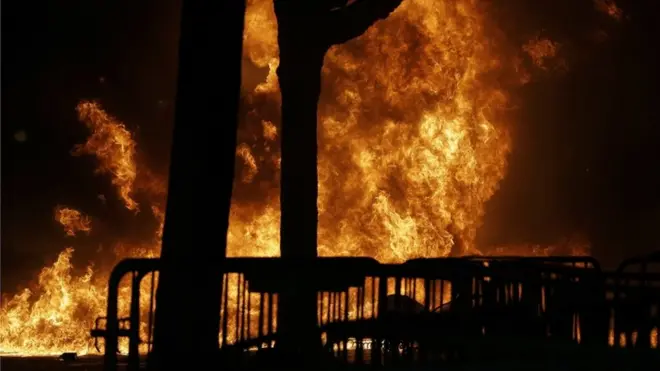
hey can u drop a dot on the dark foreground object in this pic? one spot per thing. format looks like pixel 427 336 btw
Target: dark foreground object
pixel 68 357
pixel 200 179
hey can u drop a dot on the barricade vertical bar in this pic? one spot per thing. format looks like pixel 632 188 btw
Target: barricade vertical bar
pixel 134 340
pixel 151 312
pixel 225 309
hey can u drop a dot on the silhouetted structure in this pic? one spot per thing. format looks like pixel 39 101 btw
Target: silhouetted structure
pixel 306 30
pixel 201 178
pixel 537 312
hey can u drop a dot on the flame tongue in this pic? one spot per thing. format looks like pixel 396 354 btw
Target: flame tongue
pixel 113 146
pixel 72 220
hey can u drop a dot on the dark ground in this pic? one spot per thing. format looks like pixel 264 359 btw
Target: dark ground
pixel 87 363
pixel 619 360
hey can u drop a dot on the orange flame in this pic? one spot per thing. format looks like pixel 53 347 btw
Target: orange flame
pixel 541 50
pixel 113 146
pixel 425 156
pixel 72 220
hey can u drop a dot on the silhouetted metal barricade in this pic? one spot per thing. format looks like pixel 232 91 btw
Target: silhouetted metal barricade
pixel 560 294
pixel 248 316
pixel 347 290
pixel 343 285
pixel 131 329
pixel 347 299
pixel 479 299
pixel 493 304
pixel 239 311
pixel 249 309
pixel 446 322
pixel 347 294
pixel 636 303
pixel 555 298
pixel 365 310
pixel 419 313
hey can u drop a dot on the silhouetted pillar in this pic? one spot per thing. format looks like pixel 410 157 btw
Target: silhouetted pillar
pixel 300 84
pixel 200 184
pixel 306 30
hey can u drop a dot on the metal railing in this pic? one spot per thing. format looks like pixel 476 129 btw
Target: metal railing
pixel 635 302
pixel 421 312
pixel 138 269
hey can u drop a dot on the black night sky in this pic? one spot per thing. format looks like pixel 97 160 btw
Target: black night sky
pixel 585 152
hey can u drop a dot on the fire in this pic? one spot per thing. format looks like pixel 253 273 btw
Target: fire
pixel 113 145
pixel 57 314
pixel 413 134
pixel 413 141
pixel 52 322
pixel 72 220
pixel 540 50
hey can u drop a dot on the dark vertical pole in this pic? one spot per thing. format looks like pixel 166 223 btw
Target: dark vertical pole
pixel 305 32
pixel 299 75
pixel 225 310
pixel 152 298
pixel 200 184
